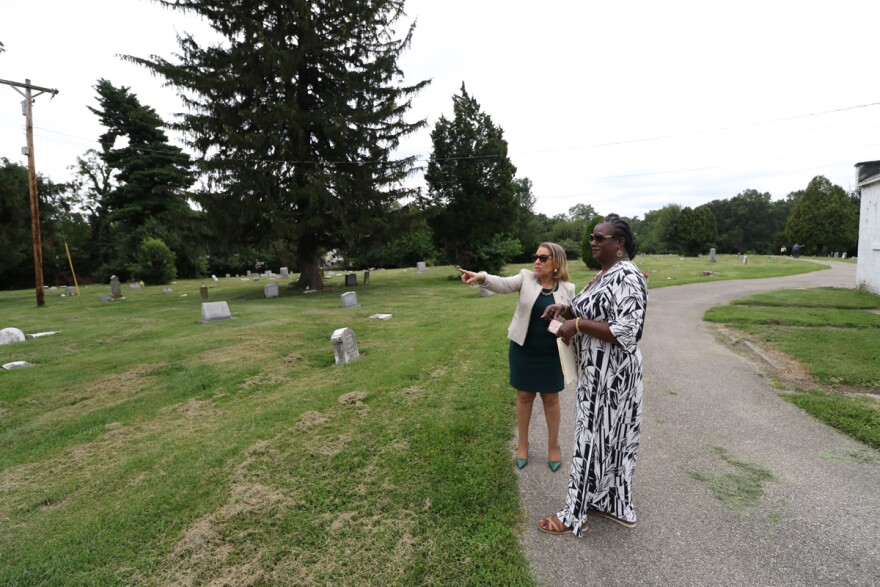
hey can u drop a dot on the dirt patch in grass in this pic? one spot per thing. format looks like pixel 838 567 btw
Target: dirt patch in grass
pixel 310 420
pixel 206 552
pixel 263 379
pixel 100 393
pixel 790 372
pixel 355 398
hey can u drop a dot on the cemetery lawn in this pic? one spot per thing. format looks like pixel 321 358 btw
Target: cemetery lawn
pixel 835 335
pixel 666 270
pixel 145 448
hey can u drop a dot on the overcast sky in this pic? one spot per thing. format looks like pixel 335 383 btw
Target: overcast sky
pixel 627 106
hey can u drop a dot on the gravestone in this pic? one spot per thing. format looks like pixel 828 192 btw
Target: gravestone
pixel 350 279
pixel 270 290
pixel 249 273
pixel 228 276
pixel 203 292
pixel 11 335
pixel 843 256
pixel 214 312
pixel 244 279
pixel 285 273
pixel 350 300
pixel 712 258
pixel 745 259
pixel 380 317
pixel 345 348
pixel 16 365
pixel 214 277
pixel 69 291
pixel 485 293
pixel 106 298
pixel 167 290
pixel 421 267
pixel 135 286
pixel 367 277
pixel 836 255
pixel 115 288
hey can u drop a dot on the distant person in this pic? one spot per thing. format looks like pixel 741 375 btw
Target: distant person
pixel 605 321
pixel 796 251
pixel 533 353
pixel 782 250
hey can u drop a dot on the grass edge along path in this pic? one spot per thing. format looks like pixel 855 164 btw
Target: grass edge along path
pixel 835 334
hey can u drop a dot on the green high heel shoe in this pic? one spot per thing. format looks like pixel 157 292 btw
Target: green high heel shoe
pixel 521 463
pixel 554 465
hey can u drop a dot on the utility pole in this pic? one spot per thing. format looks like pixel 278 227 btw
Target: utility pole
pixel 32 176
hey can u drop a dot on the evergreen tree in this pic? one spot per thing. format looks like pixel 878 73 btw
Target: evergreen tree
pixel 695 230
pixel 295 117
pixel 151 177
pixel 471 187
pixel 823 218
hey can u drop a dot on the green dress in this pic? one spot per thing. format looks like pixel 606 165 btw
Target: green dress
pixel 534 366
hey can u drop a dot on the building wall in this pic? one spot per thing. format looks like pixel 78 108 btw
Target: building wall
pixel 868 267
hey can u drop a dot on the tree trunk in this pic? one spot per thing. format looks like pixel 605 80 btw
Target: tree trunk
pixel 310 273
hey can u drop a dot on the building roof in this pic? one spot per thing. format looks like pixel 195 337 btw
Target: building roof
pixel 867 172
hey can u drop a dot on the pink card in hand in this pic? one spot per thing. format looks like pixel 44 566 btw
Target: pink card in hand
pixel 554 326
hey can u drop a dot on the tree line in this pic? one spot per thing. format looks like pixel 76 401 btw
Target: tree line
pixel 293 124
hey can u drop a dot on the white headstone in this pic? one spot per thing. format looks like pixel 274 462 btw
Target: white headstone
pixel 214 277
pixel 380 317
pixel 712 258
pixel 270 290
pixel 421 267
pixel 350 300
pixel 134 286
pixel 745 259
pixel 214 312
pixel 284 272
pixel 11 335
pixel 344 346
pixel 245 279
pixel 485 293
pixel 115 288
pixel 843 256
pixel 228 276
pixel 16 365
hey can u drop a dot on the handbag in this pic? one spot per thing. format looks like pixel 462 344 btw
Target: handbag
pixel 567 361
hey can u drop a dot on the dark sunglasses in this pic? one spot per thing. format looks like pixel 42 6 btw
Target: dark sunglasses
pixel 543 258
pixel 600 237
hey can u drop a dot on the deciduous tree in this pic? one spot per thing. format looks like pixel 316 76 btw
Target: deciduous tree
pixel 823 218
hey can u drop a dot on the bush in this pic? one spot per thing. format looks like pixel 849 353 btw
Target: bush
pixel 154 262
pixel 492 256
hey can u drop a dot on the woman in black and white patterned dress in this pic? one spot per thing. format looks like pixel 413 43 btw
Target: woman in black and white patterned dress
pixel 605 322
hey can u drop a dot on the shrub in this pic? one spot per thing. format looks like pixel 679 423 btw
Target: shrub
pixel 154 262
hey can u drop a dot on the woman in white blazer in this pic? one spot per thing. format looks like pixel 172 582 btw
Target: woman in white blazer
pixel 533 355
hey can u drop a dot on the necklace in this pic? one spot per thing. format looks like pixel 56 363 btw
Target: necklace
pixel 548 291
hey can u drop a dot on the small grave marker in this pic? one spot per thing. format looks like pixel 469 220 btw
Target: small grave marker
pixel 203 292
pixel 11 335
pixel 115 288
pixel 421 267
pixel 350 300
pixel 485 293
pixel 214 312
pixel 270 290
pixel 350 279
pixel 367 277
pixel 344 346
pixel 712 258
pixel 285 273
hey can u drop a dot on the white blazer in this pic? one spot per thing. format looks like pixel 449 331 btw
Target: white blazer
pixel 529 289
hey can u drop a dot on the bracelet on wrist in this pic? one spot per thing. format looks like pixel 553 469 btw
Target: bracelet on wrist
pixel 577 325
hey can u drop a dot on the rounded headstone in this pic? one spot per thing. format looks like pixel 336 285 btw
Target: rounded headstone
pixel 11 335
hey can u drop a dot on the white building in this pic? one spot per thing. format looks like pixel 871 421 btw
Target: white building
pixel 868 267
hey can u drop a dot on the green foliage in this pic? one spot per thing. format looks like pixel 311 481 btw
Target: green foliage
pixel 750 222
pixel 656 233
pixel 15 225
pixel 147 195
pixel 153 263
pixel 823 219
pixel 472 193
pixel 695 230
pixel 492 255
pixel 296 116
pixel 586 251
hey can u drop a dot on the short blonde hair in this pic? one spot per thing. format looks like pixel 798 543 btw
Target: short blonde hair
pixel 558 254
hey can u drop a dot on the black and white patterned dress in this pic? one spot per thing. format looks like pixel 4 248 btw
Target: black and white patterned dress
pixel 609 398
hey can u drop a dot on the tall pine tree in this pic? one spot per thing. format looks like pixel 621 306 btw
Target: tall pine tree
pixel 295 117
pixel 148 198
pixel 471 187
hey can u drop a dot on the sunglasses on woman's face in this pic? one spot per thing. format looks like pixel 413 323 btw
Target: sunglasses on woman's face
pixel 599 237
pixel 542 258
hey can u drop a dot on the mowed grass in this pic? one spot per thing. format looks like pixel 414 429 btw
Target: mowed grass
pixel 145 448
pixel 835 334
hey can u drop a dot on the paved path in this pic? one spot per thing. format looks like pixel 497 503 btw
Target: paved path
pixel 817 524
